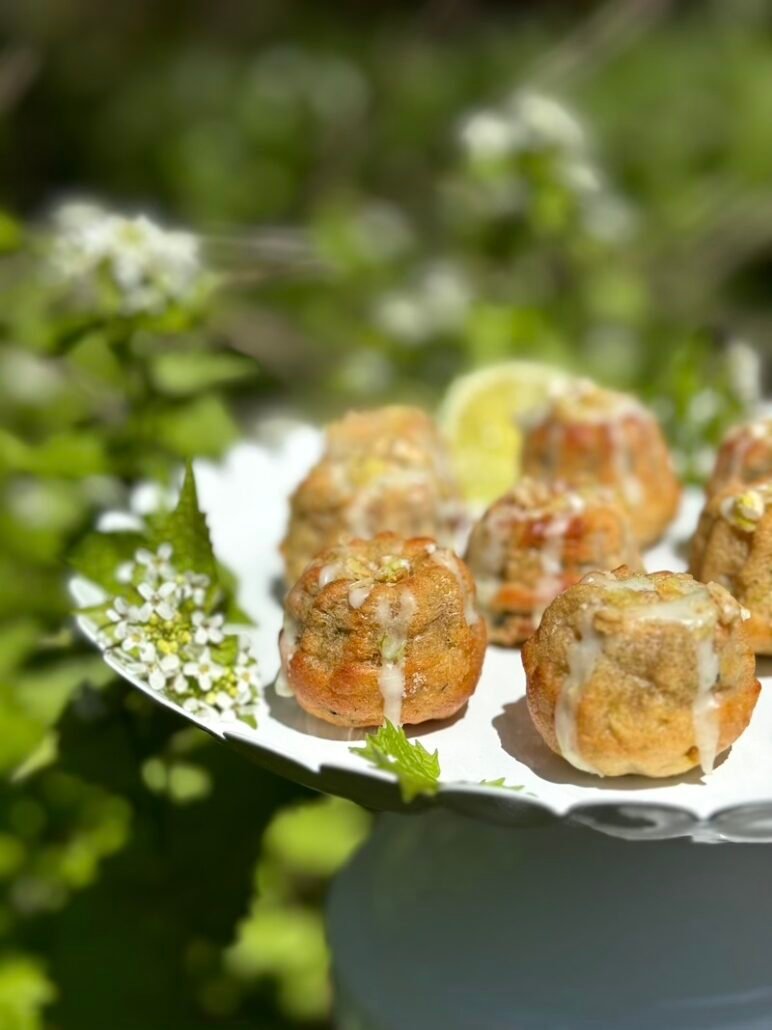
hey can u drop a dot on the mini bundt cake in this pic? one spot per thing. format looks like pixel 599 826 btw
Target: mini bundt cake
pixel 589 433
pixel 733 547
pixel 641 674
pixel 382 629
pixel 537 540
pixel 745 455
pixel 385 469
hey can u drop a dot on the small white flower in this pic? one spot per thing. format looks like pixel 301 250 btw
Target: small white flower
pixel 163 670
pixel 157 565
pixel 204 669
pixel 124 616
pixel 223 700
pixel 488 135
pixel 119 615
pixel 547 121
pixel 194 587
pixel 208 628
pixel 137 641
pixel 179 684
pixel 125 572
pixel 151 267
pixel 161 599
pixel 247 679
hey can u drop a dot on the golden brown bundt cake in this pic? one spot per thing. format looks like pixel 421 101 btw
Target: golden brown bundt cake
pixel 733 547
pixel 385 469
pixel 641 674
pixel 745 455
pixel 537 540
pixel 589 433
pixel 382 629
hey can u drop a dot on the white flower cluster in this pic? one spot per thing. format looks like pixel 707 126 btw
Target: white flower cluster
pixel 141 267
pixel 437 304
pixel 164 634
pixel 528 123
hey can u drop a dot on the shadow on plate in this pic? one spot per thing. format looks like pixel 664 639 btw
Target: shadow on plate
pixel 520 739
pixel 288 712
pixel 278 588
pixel 763 665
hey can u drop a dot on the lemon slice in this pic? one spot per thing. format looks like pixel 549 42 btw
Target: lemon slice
pixel 482 416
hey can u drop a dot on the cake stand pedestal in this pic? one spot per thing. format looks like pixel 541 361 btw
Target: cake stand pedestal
pixel 445 923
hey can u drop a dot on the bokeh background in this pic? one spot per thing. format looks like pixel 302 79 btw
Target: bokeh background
pixel 385 195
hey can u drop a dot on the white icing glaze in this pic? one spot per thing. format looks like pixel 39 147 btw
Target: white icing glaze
pixel 694 609
pixel 288 642
pixel 582 658
pixel 697 611
pixel 329 573
pixel 391 677
pixel 610 582
pixel 359 592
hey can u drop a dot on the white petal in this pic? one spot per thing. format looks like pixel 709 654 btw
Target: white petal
pixel 146 590
pixel 170 663
pixel 166 611
pixel 165 551
pixel 156 679
pixel 142 614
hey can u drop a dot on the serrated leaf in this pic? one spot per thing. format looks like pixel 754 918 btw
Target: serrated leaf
pixel 201 427
pixel 181 373
pixel 187 531
pixel 72 455
pixel 502 784
pixel 417 770
pixel 98 556
pixel 226 652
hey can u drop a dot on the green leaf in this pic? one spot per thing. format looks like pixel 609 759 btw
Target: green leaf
pixel 18 639
pixel 201 427
pixel 417 770
pixel 98 556
pixel 186 530
pixel 70 455
pixel 44 692
pixel 24 991
pixel 180 373
pixel 502 783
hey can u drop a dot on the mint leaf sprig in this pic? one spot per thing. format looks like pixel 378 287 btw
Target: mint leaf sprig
pixel 417 771
pixel 164 617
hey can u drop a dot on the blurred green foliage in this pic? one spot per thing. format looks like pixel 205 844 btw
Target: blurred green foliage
pixel 385 195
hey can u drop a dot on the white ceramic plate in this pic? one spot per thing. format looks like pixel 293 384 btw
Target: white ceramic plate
pixel 245 498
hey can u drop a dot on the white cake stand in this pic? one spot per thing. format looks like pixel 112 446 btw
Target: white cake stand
pixel 486 908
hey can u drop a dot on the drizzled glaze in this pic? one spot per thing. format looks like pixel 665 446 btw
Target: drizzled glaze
pixel 288 642
pixel 394 625
pixel 582 657
pixel 696 610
